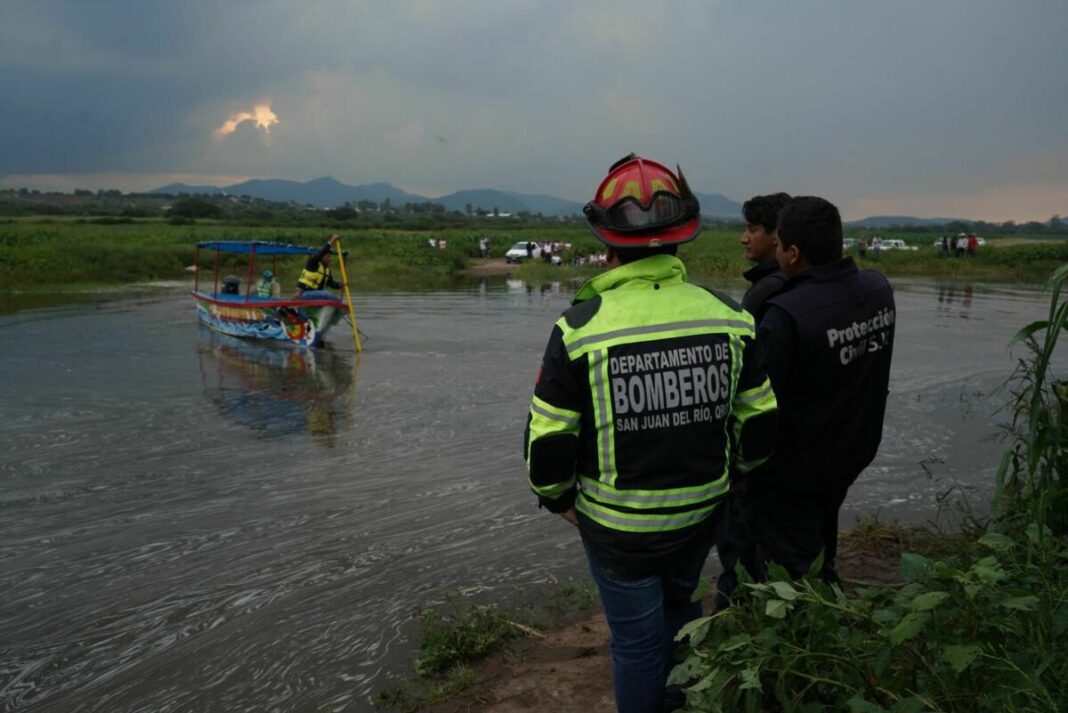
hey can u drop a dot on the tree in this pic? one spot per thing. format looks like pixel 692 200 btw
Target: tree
pixel 196 208
pixel 366 205
pixel 468 208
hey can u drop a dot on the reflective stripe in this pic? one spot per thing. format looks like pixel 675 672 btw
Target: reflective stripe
pixel 755 397
pixel 578 344
pixel 635 522
pixel 605 429
pixel 554 490
pixel 639 499
pixel 559 418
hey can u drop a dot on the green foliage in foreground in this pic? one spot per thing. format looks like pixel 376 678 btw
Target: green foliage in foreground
pixel 980 632
pixel 984 630
pixel 461 636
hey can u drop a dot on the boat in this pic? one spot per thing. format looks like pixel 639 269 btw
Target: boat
pixel 302 320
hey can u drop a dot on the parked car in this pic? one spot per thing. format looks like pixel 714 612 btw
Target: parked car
pixel 518 252
pixel 848 244
pixel 896 244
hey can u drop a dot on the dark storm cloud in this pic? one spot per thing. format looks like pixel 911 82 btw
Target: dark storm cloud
pixel 870 103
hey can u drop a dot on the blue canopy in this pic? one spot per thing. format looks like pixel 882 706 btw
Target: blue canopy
pixel 262 248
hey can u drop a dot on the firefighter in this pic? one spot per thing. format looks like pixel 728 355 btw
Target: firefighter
pixel 826 340
pixel 316 273
pixel 647 395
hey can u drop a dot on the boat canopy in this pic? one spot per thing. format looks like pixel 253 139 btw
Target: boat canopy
pixel 261 247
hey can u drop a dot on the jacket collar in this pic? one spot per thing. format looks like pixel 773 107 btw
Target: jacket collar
pixel 661 269
pixel 761 270
pixel 829 272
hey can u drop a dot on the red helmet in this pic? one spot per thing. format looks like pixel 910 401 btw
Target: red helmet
pixel 641 204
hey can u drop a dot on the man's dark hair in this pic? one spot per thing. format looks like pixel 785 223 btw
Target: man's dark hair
pixel 814 226
pixel 631 254
pixel 764 210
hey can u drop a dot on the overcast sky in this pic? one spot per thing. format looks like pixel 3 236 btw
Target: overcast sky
pixel 929 108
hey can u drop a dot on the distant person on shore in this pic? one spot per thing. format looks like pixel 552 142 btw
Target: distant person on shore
pixel 613 448
pixel 316 274
pixel 267 286
pixel 960 243
pixel 862 247
pixel 876 247
pixel 826 341
pixel 973 245
pixel 945 246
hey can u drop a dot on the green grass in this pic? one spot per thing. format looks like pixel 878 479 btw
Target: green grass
pixel 57 254
pixel 457 635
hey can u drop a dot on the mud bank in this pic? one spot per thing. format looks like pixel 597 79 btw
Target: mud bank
pixel 569 669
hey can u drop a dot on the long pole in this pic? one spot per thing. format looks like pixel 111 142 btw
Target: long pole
pixel 348 296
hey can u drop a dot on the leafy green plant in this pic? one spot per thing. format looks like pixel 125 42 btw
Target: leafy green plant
pixel 460 636
pixel 1033 477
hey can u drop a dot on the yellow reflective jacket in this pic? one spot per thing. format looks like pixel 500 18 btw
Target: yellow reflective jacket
pixel 648 396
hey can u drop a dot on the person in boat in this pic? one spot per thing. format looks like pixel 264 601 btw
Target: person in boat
pixel 231 285
pixel 267 286
pixel 644 480
pixel 825 341
pixel 316 274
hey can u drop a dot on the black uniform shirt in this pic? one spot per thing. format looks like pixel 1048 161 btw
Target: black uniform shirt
pixel 765 278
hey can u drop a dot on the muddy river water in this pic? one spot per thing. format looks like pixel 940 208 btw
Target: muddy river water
pixel 192 523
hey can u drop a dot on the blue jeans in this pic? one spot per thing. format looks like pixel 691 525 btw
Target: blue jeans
pixel 644 615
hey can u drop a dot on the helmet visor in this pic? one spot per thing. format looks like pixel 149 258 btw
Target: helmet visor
pixel 628 215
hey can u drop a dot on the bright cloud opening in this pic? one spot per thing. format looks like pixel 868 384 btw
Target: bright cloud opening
pixel 261 116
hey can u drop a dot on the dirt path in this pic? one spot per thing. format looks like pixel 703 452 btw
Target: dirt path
pixel 570 669
pixel 489 267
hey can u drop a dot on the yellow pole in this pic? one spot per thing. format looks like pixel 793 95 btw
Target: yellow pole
pixel 348 296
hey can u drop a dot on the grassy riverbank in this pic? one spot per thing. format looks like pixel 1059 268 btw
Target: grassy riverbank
pixel 72 255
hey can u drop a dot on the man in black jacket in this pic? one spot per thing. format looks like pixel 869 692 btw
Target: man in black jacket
pixel 826 340
pixel 760 240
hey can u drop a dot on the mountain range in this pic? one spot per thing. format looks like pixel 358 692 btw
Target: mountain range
pixel 328 192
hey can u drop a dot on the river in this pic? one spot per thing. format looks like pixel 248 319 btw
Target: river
pixel 192 523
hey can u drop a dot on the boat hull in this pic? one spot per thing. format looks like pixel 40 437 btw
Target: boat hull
pixel 300 322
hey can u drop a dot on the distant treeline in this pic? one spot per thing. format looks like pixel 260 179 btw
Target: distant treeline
pixel 112 206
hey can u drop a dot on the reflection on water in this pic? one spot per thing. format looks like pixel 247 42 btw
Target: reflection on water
pixel 955 299
pixel 277 390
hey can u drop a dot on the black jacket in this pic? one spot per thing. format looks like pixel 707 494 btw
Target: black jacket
pixel 826 341
pixel 766 279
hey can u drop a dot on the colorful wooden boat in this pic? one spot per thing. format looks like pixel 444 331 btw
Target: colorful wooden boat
pixel 302 320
